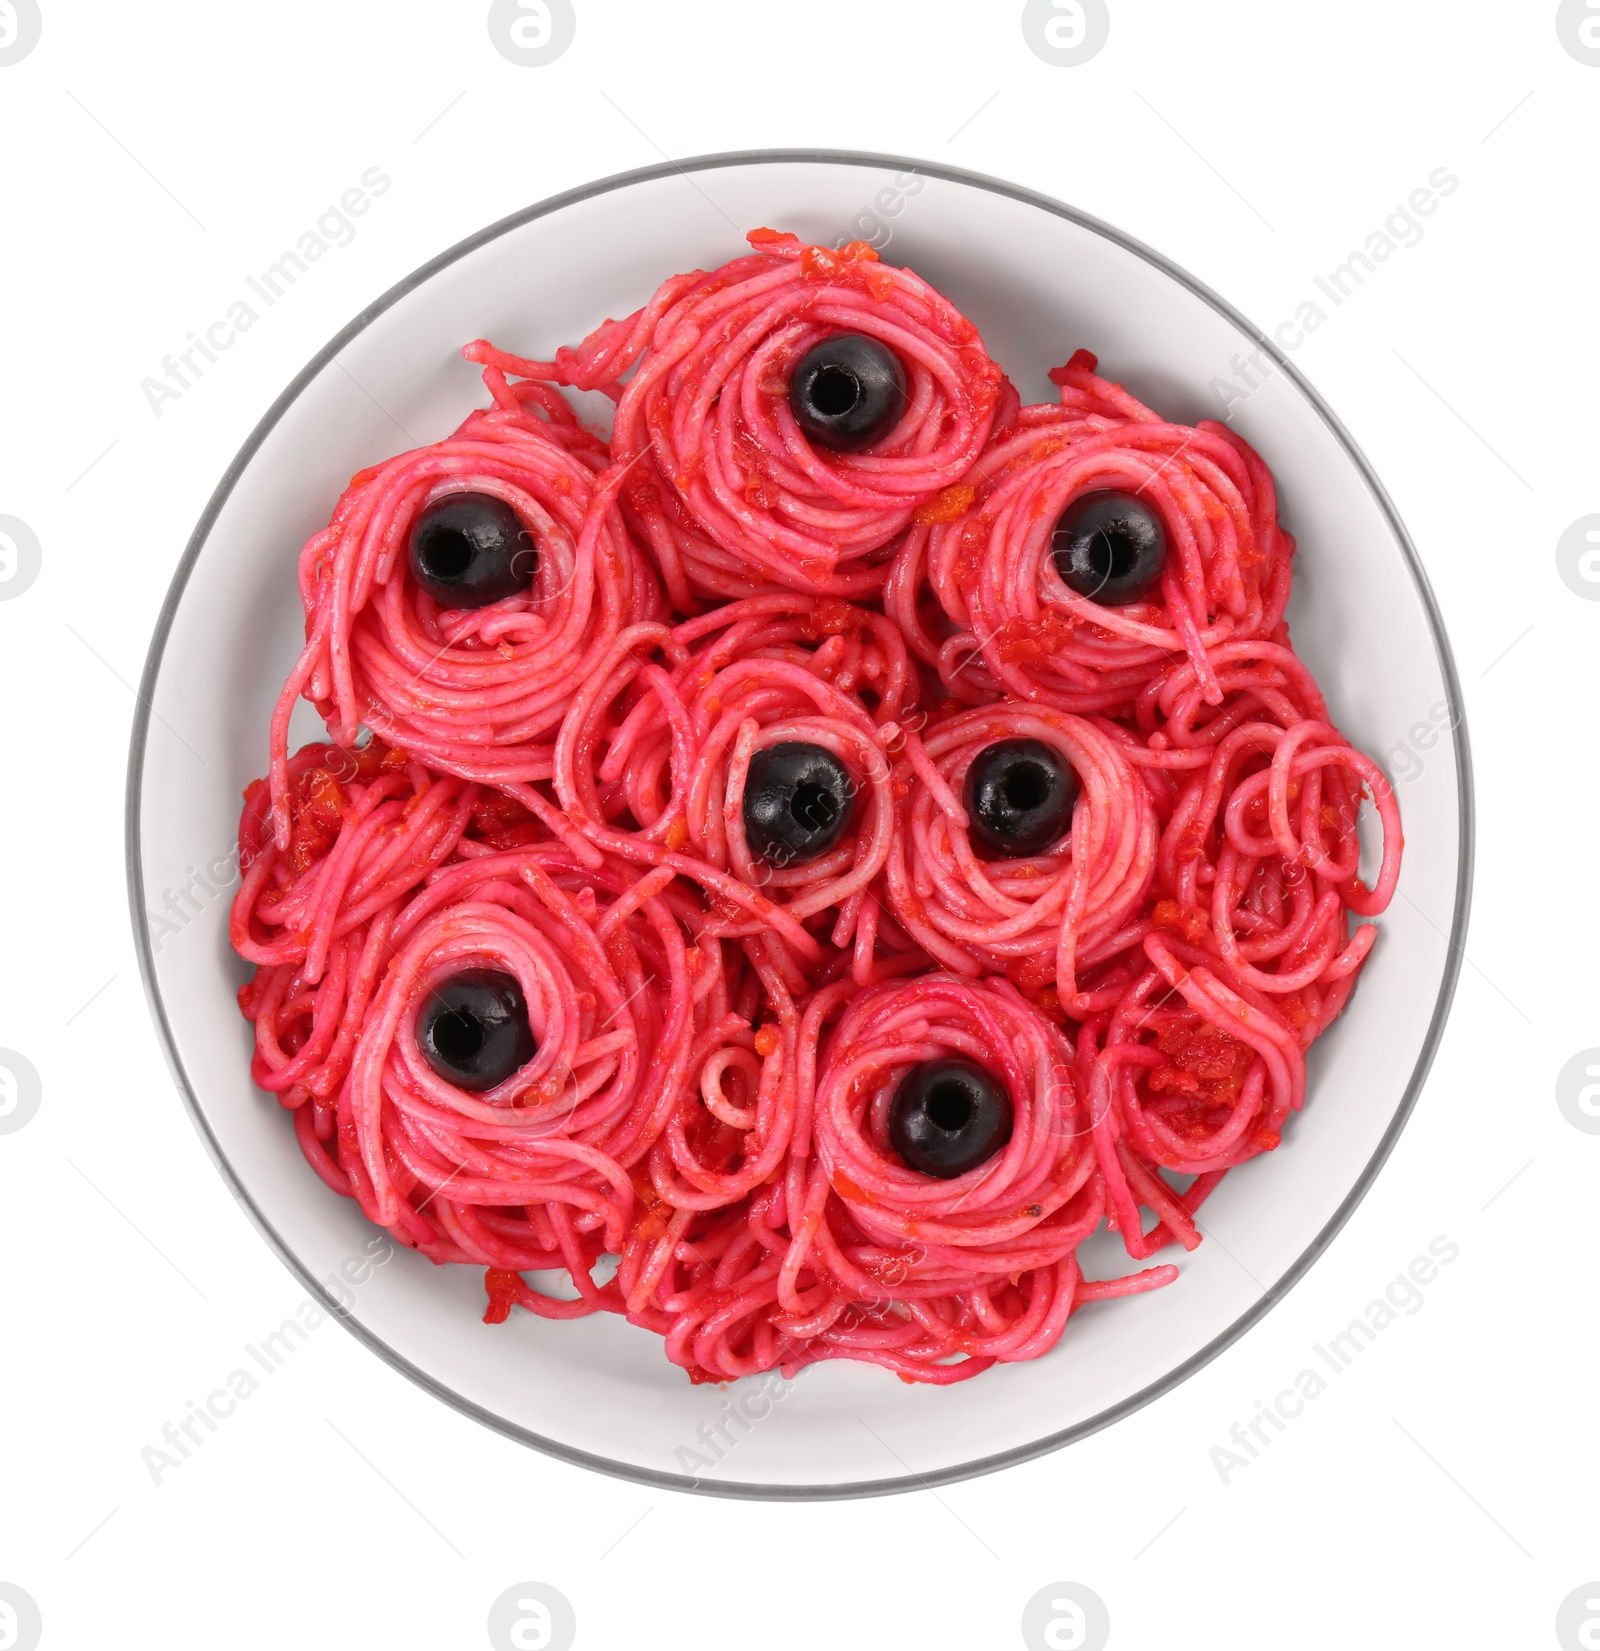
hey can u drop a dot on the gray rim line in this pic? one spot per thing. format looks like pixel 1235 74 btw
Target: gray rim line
pixel 912 1481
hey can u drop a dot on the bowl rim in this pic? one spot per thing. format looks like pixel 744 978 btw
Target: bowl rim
pixel 911 1481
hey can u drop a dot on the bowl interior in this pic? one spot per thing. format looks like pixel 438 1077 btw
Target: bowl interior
pixel 1039 282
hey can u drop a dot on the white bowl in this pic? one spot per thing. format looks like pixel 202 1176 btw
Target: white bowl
pixel 1040 280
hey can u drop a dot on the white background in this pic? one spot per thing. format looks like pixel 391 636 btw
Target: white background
pixel 1441 1492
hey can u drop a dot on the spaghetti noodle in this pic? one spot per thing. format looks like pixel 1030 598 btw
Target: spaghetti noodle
pixel 480 692
pixel 638 912
pixel 722 486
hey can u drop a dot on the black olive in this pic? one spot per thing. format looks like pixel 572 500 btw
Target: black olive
pixel 469 549
pixel 1110 547
pixel 847 392
pixel 947 1117
pixel 473 1031
pixel 1018 796
pixel 798 799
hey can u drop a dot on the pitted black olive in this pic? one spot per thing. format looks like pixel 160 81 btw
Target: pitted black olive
pixel 473 1030
pixel 469 549
pixel 847 392
pixel 947 1117
pixel 1019 796
pixel 798 799
pixel 1110 547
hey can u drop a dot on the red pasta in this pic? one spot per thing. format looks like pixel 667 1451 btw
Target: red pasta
pixel 1003 599
pixel 1065 910
pixel 365 829
pixel 722 486
pixel 478 692
pixel 667 751
pixel 982 1265
pixel 534 1166
pixel 711 810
